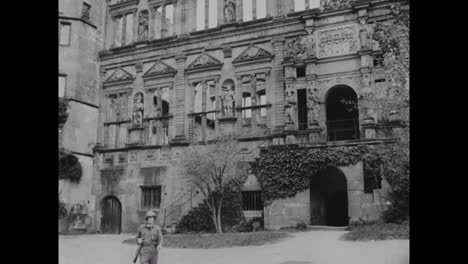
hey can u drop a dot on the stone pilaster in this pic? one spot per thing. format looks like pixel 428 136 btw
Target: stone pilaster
pixel 278 86
pixel 151 23
pixel 135 26
pixel 101 111
pixel 369 127
pixel 280 9
pixel 163 22
pixel 270 8
pixel 207 13
pixel 220 8
pixel 254 9
pixel 179 90
pixel 124 30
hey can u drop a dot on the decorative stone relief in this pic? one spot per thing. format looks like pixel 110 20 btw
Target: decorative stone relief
pixel 227 98
pixel 253 52
pixel 138 108
pixel 229 11
pixel 119 75
pixel 158 68
pixel 337 41
pixel 313 104
pixel 300 48
pixel 326 5
pixel 143 25
pixel 203 60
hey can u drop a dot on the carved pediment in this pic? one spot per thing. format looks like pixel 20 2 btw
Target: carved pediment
pixel 253 53
pixel 119 75
pixel 203 60
pixel 159 68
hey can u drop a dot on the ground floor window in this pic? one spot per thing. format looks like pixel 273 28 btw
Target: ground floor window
pixel 252 201
pixel 150 196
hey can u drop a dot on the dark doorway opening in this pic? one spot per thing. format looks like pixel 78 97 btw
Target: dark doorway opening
pixel 302 108
pixel 342 113
pixel 329 198
pixel 111 215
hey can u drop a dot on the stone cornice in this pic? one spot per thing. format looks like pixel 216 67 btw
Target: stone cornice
pixel 79 19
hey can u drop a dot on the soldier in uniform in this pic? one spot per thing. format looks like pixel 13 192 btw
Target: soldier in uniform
pixel 151 238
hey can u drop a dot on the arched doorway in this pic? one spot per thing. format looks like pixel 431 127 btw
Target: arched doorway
pixel 342 113
pixel 111 211
pixel 329 198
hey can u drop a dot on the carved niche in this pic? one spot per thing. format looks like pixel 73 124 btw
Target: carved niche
pixel 138 108
pixel 143 25
pixel 119 75
pixel 313 103
pixel 227 98
pixel 300 48
pixel 229 11
pixel 290 104
pixel 337 41
pixel 253 52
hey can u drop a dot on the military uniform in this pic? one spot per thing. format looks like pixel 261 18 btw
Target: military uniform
pixel 152 237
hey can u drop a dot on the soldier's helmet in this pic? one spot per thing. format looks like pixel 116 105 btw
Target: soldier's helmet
pixel 150 214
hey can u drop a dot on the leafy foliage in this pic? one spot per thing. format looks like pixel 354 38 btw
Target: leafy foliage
pixel 63 110
pixel 199 218
pixel 62 209
pixel 285 171
pixel 69 166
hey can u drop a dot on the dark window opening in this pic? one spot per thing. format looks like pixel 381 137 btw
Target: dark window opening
pixel 165 108
pixel 378 60
pixel 86 11
pixel 379 81
pixel 252 201
pixel 150 196
pixel 342 114
pixel 301 71
pixel 302 108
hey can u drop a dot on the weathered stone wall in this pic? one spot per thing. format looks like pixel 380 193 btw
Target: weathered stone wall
pixel 288 212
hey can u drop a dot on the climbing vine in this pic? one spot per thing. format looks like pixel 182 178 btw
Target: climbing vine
pixel 284 171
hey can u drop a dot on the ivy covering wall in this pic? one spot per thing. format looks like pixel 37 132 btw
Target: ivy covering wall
pixel 284 171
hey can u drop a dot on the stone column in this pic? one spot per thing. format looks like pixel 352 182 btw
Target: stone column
pixel 114 31
pixel 135 26
pixel 192 15
pixel 103 106
pixel 207 13
pixel 220 12
pixel 254 9
pixel 204 121
pixel 280 9
pixel 177 17
pixel 239 11
pixel 238 94
pixel 277 112
pixel 218 105
pixel 151 23
pixel 179 90
pixel 253 89
pixel 163 22
pixel 271 8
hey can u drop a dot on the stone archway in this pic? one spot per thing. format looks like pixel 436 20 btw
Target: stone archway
pixel 111 213
pixel 329 198
pixel 342 113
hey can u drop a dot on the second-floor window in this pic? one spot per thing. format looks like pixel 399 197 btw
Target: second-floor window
pixel 65 33
pixel 250 12
pixel 206 14
pixel 124 29
pixel 150 197
pixel 163 21
pixel 300 5
pixel 246 102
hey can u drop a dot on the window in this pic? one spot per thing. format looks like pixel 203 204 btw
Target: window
pixel 247 12
pixel 200 15
pixel 213 17
pixel 252 201
pixel 157 21
pixel 314 4
pixel 62 85
pixel 85 14
pixel 165 101
pixel 261 9
pixel 118 31
pixel 378 60
pixel 301 71
pixel 65 33
pixel 299 5
pixel 262 97
pixel 169 19
pixel 150 197
pixel 246 101
pixel 197 102
pixel 129 29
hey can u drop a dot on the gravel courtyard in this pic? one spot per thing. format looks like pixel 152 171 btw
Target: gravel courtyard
pixel 312 247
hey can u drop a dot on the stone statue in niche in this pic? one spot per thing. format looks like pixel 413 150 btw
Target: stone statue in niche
pixel 365 35
pixel 143 25
pixel 309 43
pixel 290 106
pixel 313 105
pixel 227 99
pixel 229 11
pixel 138 109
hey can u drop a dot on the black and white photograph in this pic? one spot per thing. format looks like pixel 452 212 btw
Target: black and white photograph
pixel 233 131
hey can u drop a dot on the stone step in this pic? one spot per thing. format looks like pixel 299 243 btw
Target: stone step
pixel 331 228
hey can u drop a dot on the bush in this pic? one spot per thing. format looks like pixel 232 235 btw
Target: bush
pixel 199 218
pixel 301 226
pixel 394 215
pixel 62 209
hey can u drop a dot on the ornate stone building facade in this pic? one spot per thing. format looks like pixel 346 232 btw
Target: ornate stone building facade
pixel 276 72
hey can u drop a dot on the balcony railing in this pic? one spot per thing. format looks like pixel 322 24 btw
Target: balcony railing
pixel 344 129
